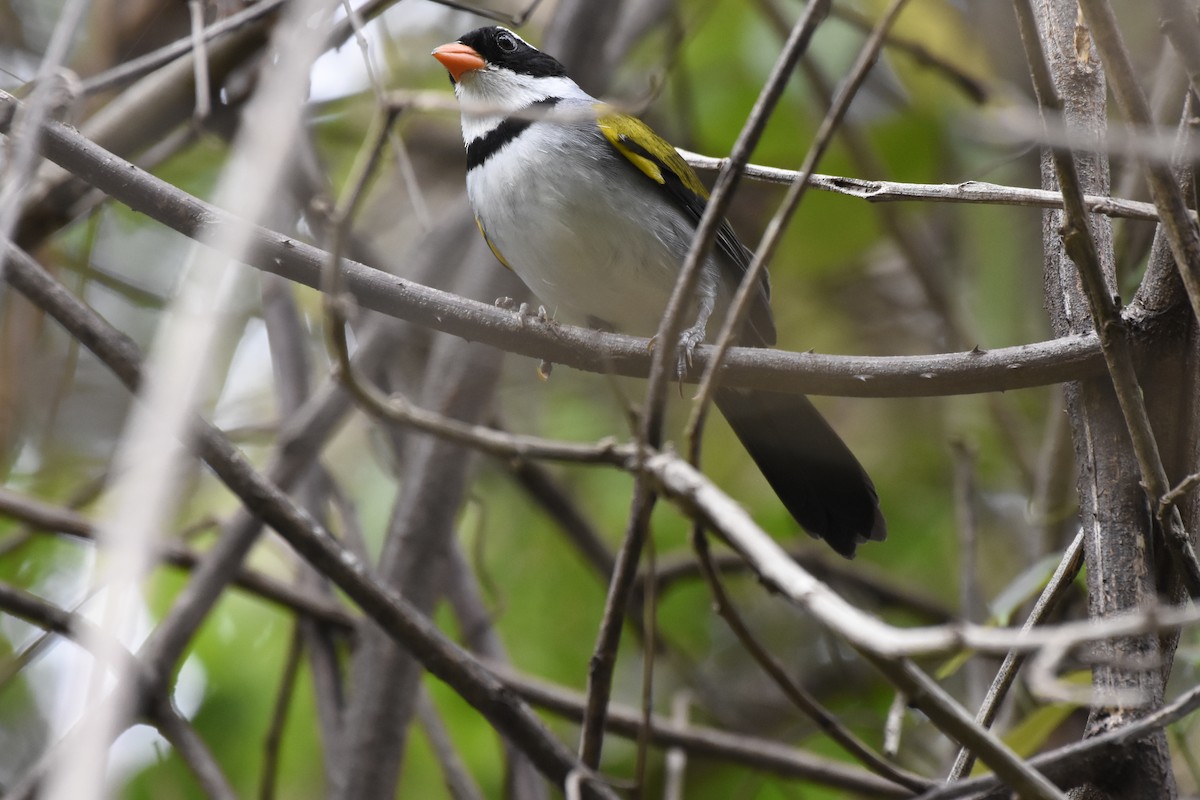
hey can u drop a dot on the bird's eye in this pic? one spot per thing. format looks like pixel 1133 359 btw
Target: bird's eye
pixel 506 42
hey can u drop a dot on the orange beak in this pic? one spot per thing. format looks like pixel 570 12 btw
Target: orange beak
pixel 458 59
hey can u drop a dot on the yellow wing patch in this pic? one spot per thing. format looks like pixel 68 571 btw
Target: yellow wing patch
pixel 646 150
pixel 492 247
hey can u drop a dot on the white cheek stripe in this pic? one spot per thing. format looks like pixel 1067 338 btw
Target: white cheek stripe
pixel 497 93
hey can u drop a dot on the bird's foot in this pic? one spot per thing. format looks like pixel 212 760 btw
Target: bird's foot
pixel 521 310
pixel 687 346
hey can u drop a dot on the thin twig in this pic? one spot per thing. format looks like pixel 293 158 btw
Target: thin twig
pixel 706 743
pixel 133 69
pixel 954 720
pixel 394 614
pixel 1178 224
pixel 21 159
pixel 459 783
pixel 650 432
pixel 967 192
pixel 273 741
pixel 675 760
pixel 1068 358
pixel 517 20
pixel 200 47
pixel 739 306
pixel 700 499
pixel 332 303
pixel 481 638
pixel 288 342
pixel 1178 23
pixel 42 516
pixel 1181 489
pixel 603 662
pixel 404 163
pixel 56 621
pixel 1097 753
pixel 966 526
pixel 192 749
pixel 1060 581
pixel 649 651
pixel 975 88
pixel 106 650
pixel 830 725
pixel 682 483
pixel 1081 247
pixel 855 578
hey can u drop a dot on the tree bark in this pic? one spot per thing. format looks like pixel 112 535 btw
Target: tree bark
pixel 1118 523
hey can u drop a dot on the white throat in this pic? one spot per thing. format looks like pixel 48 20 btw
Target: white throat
pixel 489 95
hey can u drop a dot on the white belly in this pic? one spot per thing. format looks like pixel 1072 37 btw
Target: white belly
pixel 586 251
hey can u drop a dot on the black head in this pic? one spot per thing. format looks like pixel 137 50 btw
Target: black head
pixel 503 48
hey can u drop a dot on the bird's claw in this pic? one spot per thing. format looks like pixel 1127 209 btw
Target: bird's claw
pixel 688 340
pixel 687 346
pixel 521 311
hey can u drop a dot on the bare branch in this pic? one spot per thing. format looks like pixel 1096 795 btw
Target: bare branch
pixel 796 694
pixel 650 430
pixel 1114 339
pixel 48 94
pixel 54 518
pixel 133 69
pixel 459 783
pixel 159 710
pixel 884 646
pixel 1095 755
pixel 1178 23
pixel 700 499
pixel 273 741
pixel 857 578
pixel 966 192
pixel 975 88
pixel 1179 225
pixel 1064 575
pixel 752 751
pixel 978 370
pixel 193 751
pixel 394 614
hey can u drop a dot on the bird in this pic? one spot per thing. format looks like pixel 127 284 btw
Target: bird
pixel 595 213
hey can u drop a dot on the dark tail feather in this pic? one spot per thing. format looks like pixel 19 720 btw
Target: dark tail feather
pixel 815 475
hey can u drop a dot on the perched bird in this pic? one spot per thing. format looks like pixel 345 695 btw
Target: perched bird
pixel 595 213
